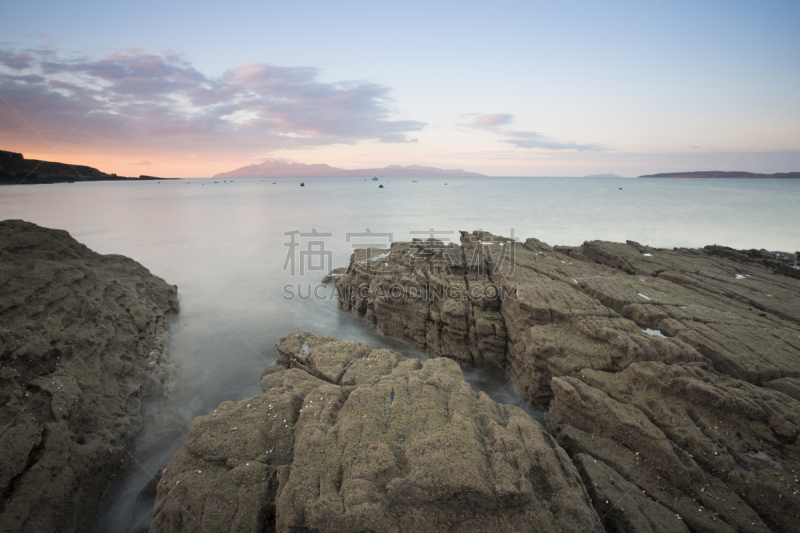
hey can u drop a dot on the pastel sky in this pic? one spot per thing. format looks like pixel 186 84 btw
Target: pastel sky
pixel 515 88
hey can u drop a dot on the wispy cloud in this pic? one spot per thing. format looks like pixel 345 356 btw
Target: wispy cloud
pixel 160 98
pixel 491 122
pixel 495 123
pixel 536 141
pixel 14 60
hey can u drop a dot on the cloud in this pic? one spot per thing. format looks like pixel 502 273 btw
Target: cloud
pixel 490 122
pixel 289 100
pixel 552 145
pixel 15 61
pixel 163 100
pixel 140 164
pixel 494 123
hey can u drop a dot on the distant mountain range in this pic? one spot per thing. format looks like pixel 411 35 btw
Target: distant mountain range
pixel 278 168
pixel 721 174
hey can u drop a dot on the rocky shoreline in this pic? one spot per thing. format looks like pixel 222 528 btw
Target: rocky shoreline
pixel 671 380
pixel 346 438
pixel 83 354
pixel 670 373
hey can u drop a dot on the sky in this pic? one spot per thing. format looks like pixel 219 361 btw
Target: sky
pixel 571 88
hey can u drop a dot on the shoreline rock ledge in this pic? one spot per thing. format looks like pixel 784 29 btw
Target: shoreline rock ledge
pixel 346 438
pixel 672 377
pixel 83 350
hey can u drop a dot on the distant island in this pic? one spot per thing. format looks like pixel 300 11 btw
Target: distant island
pixel 721 174
pixel 15 170
pixel 277 168
pixel 606 175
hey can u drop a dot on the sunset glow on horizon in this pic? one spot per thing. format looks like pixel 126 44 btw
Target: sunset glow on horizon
pixel 517 89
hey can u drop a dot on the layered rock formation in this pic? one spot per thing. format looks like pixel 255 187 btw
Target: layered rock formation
pixel 83 343
pixel 346 438
pixel 672 376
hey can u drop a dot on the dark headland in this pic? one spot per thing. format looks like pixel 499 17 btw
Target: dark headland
pixel 16 170
pixel 726 175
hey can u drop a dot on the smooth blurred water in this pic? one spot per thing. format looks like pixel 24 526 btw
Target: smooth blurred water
pixel 224 245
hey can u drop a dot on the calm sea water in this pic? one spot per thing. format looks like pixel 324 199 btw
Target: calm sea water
pixel 227 245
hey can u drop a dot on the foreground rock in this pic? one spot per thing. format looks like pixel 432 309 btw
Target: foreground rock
pixel 720 453
pixel 83 344
pixel 672 376
pixel 346 438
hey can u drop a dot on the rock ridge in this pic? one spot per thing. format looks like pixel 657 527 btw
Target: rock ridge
pixel 83 347
pixel 348 438
pixel 674 374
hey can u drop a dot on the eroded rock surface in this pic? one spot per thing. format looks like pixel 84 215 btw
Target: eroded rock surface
pixel 721 453
pixel 83 342
pixel 673 376
pixel 346 438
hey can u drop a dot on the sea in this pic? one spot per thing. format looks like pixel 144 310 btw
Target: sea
pixel 248 256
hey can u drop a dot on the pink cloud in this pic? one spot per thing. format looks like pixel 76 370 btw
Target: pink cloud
pixel 490 122
pixel 141 101
pixel 520 139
